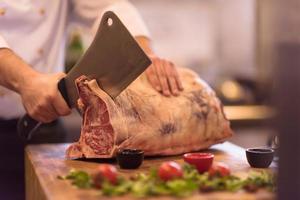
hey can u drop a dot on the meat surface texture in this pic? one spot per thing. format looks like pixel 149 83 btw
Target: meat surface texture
pixel 142 118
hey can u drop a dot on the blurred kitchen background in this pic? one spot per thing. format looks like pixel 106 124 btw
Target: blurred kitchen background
pixel 227 42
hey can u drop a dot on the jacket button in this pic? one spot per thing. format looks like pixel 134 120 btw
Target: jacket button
pixel 40 51
pixel 42 11
pixel 2 11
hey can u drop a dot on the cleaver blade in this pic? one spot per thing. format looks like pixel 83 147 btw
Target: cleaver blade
pixel 114 58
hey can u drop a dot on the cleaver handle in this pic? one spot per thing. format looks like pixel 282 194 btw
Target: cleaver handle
pixel 63 90
pixel 27 125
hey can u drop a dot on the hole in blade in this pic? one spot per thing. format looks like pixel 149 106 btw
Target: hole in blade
pixel 109 21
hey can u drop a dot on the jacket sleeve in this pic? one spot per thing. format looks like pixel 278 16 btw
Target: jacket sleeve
pixel 89 13
pixel 3 43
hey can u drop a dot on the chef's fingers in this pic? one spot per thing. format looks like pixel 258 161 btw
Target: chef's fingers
pixel 39 110
pixel 171 79
pixel 177 77
pixel 37 117
pixel 46 118
pixel 43 114
pixel 60 105
pixel 173 85
pixel 179 83
pixel 55 107
pixel 152 78
pixel 162 76
pixel 169 68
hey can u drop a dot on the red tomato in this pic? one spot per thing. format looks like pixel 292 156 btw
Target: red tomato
pixel 170 170
pixel 219 169
pixel 105 172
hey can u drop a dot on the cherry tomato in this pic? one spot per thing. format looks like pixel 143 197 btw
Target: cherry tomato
pixel 219 169
pixel 170 170
pixel 105 172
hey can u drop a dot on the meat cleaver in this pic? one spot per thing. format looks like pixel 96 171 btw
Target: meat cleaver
pixel 114 58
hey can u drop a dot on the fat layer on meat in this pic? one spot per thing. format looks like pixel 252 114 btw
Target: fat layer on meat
pixel 142 118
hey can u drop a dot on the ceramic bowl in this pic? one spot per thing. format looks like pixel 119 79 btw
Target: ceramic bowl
pixel 202 161
pixel 130 158
pixel 260 157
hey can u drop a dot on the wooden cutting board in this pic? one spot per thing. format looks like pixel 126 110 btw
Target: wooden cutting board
pixel 44 163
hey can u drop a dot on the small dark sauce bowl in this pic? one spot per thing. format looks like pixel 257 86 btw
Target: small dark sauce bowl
pixel 260 157
pixel 130 158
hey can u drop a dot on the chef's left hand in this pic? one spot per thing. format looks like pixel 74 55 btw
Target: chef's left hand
pixel 163 76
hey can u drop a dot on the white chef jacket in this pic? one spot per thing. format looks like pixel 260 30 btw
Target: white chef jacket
pixel 36 30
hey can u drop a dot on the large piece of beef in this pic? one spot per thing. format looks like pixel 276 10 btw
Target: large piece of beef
pixel 142 118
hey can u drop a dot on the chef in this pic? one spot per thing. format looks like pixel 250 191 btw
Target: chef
pixel 32 43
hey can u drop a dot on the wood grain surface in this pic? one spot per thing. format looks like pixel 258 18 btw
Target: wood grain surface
pixel 45 162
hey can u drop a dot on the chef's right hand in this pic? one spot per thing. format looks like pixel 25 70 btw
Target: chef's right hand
pixel 42 99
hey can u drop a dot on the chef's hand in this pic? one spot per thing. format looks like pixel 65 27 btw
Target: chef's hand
pixel 41 98
pixel 163 76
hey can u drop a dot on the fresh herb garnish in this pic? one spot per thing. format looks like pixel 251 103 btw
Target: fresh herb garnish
pixel 79 178
pixel 258 180
pixel 143 185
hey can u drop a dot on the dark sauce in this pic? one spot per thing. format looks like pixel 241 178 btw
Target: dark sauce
pixel 130 158
pixel 260 150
